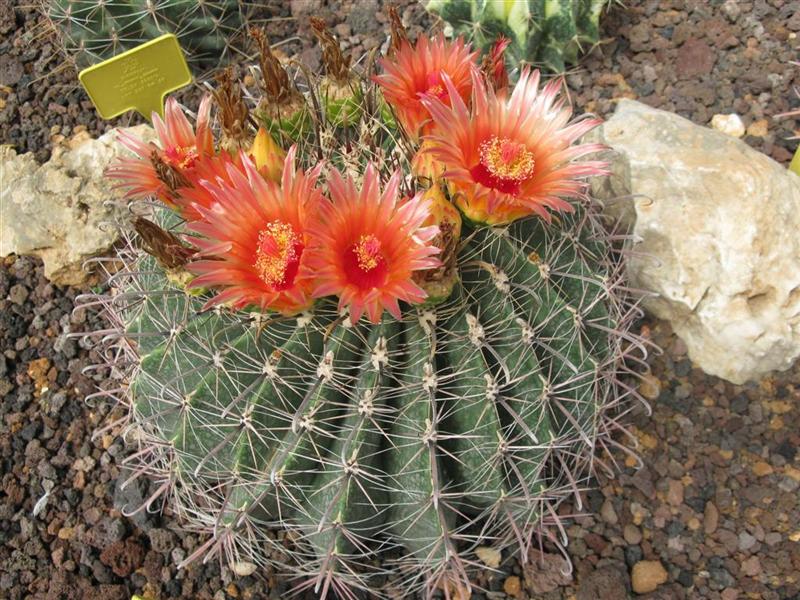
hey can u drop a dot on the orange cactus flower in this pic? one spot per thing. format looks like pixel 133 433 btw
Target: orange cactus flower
pixel 415 71
pixel 188 198
pixel 508 157
pixel 253 238
pixel 424 166
pixel 267 156
pixel 367 245
pixel 161 170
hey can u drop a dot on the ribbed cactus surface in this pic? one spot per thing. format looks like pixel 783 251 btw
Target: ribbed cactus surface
pixel 95 30
pixel 481 410
pixel 547 33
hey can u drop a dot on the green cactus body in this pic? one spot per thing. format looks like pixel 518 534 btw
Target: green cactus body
pixel 401 434
pixel 291 124
pixel 342 102
pixel 549 33
pixel 94 30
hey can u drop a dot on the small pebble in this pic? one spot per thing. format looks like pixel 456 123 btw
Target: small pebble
pixel 632 534
pixel 730 124
pixel 489 556
pixel 746 541
pixel 647 575
pixel 607 512
pixel 511 586
pixel 649 386
pixel 243 568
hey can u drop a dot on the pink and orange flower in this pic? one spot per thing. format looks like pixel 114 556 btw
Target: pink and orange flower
pixel 161 170
pixel 415 71
pixel 253 238
pixel 367 245
pixel 265 154
pixel 508 157
pixel 171 170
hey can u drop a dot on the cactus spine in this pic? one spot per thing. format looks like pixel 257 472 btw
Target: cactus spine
pixel 95 30
pixel 548 33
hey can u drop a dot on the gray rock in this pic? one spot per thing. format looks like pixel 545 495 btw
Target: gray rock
pixel 59 211
pixel 715 226
pixel 746 541
pixel 162 540
pixel 129 499
pixel 106 532
pixel 18 294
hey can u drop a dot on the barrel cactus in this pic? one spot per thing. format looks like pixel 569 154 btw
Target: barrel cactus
pixel 95 30
pixel 375 364
pixel 549 33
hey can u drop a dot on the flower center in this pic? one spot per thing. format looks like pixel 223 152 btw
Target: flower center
pixel 278 255
pixel 434 86
pixel 504 164
pixel 181 157
pixel 364 263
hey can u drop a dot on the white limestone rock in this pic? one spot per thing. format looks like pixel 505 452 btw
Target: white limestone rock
pixel 59 211
pixel 730 124
pixel 717 230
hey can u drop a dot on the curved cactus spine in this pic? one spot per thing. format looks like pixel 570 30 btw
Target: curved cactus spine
pixel 95 30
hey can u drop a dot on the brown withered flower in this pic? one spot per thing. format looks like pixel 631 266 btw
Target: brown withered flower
pixel 171 177
pixel 399 33
pixel 167 248
pixel 337 65
pixel 276 85
pixel 234 113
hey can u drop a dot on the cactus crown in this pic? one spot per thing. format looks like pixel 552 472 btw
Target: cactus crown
pixel 547 33
pixel 463 423
pixel 91 31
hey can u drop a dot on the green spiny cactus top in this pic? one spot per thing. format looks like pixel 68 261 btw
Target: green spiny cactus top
pixel 549 33
pixel 94 30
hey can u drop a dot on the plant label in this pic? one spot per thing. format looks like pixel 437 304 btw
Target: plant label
pixel 137 79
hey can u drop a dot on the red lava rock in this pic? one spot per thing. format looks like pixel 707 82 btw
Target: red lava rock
pixel 546 572
pixel 710 518
pixel 595 542
pixel 695 58
pixel 609 581
pixel 751 567
pixel 123 557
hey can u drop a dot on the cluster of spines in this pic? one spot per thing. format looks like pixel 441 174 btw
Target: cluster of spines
pixel 91 31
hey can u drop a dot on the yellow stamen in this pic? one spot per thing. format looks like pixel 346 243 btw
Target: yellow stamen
pixel 436 90
pixel 368 252
pixel 507 159
pixel 182 157
pixel 277 250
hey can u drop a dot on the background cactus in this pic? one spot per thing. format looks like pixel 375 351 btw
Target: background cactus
pixel 464 424
pixel 95 30
pixel 547 33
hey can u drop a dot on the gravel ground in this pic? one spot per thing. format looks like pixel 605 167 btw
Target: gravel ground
pixel 716 504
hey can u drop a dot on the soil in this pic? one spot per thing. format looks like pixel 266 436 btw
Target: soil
pixel 717 502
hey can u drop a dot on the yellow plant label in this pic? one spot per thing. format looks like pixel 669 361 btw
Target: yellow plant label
pixel 137 79
pixel 795 164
